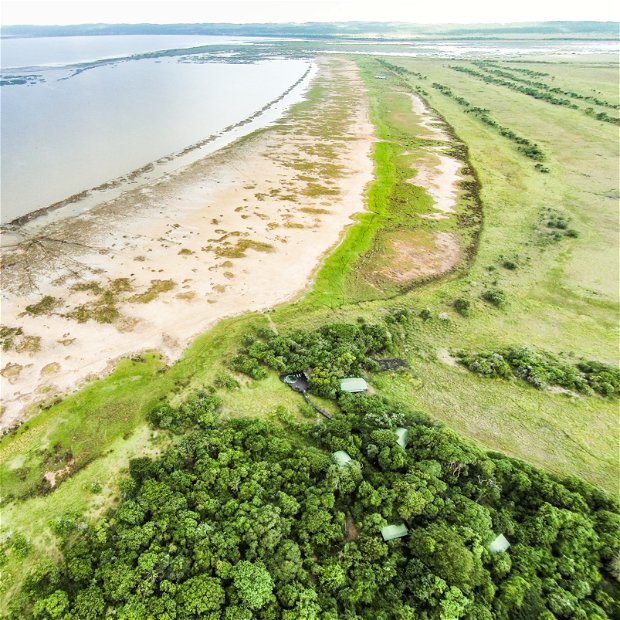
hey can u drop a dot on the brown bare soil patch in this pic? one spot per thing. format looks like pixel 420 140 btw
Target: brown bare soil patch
pixel 351 529
pixel 52 476
pixel 420 255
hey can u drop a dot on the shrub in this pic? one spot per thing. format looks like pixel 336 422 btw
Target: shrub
pixel 248 366
pixel 426 314
pixel 541 369
pixel 226 382
pixel 198 411
pixel 602 378
pixel 496 297
pixel 462 306
pixel 486 364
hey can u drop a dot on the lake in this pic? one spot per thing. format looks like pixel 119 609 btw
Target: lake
pixel 64 132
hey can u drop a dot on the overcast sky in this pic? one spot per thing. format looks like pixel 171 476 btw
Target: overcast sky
pixel 241 11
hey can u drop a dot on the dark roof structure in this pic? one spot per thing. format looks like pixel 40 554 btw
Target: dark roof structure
pixel 298 381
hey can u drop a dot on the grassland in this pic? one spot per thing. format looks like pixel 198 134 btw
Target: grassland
pixel 562 297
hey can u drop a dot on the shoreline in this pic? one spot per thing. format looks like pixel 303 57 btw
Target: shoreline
pixel 156 169
pixel 164 262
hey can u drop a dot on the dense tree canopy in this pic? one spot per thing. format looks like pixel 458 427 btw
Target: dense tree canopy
pixel 245 518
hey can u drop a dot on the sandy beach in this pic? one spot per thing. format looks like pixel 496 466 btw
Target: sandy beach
pixel 243 229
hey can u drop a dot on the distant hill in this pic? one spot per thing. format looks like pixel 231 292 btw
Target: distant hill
pixel 590 30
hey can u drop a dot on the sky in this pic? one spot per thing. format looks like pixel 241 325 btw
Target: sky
pixel 62 12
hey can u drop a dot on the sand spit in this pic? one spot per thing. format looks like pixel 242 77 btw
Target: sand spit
pixel 243 229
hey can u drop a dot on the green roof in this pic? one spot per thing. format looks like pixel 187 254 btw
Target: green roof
pixel 353 384
pixel 403 436
pixel 390 532
pixel 499 544
pixel 342 458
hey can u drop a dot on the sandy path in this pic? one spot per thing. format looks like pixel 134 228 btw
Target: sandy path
pixel 427 121
pixel 216 239
pixel 438 173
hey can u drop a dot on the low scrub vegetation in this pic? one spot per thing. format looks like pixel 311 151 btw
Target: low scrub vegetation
pixel 526 146
pixel 541 369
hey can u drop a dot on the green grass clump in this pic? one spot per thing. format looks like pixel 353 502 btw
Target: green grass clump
pixel 90 287
pixel 240 248
pixel 45 306
pixel 155 290
pixel 315 189
pixel 28 344
pixel 8 336
pixel 102 310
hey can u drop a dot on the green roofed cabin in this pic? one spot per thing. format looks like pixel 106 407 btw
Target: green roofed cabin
pixel 353 385
pixel 390 532
pixel 342 458
pixel 499 544
pixel 402 435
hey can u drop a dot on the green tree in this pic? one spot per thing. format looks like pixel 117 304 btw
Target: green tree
pixel 253 583
pixel 200 594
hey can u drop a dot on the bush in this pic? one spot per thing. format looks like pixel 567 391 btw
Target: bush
pixel 226 382
pixel 462 306
pixel 248 366
pixel 426 314
pixel 487 364
pixel 198 411
pixel 602 378
pixel 496 297
pixel 541 369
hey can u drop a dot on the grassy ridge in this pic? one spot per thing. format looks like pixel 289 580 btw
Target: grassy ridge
pixel 329 287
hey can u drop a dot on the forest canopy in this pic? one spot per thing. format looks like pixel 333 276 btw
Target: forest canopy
pixel 246 518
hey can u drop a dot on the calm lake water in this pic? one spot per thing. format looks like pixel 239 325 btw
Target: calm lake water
pixel 67 133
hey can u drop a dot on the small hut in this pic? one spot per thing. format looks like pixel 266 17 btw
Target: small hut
pixel 353 385
pixel 390 532
pixel 402 435
pixel 342 458
pixel 499 544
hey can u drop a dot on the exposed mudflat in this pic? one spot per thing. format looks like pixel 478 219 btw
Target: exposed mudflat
pixel 243 229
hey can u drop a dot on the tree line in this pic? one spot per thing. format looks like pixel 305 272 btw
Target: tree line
pixel 525 146
pixel 536 93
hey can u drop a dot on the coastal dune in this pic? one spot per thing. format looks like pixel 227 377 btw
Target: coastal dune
pixel 243 229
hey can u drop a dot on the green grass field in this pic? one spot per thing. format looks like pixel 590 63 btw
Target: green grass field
pixel 562 297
